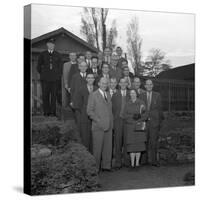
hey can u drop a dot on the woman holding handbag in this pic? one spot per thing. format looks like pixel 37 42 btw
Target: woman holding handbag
pixel 135 137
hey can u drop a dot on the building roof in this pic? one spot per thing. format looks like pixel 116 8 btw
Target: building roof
pixel 63 31
pixel 185 72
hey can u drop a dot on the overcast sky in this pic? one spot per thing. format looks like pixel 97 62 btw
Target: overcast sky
pixel 171 32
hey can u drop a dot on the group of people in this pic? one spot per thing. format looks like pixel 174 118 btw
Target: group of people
pixel 118 121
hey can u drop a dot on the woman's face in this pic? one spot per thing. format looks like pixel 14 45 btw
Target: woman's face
pixel 133 95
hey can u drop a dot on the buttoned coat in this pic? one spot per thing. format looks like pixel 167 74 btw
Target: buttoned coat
pixel 100 111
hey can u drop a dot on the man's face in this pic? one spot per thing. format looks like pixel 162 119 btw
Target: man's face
pixel 149 85
pixel 72 57
pixel 126 71
pixel 100 56
pixel 105 69
pixel 114 60
pixel 113 84
pixel 81 59
pixel 119 51
pixel 123 84
pixel 50 46
pixel 136 83
pixel 94 63
pixel 133 94
pixel 82 67
pixel 103 84
pixel 90 79
pixel 124 64
pixel 88 55
pixel 107 52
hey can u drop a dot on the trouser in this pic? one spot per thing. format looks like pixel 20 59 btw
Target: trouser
pixel 152 144
pixel 102 148
pixel 86 135
pixel 118 141
pixel 49 97
pixel 59 92
pixel 126 156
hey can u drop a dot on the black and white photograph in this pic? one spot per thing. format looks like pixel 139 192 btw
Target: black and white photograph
pixel 112 101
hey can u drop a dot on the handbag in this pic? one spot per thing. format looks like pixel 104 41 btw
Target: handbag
pixel 140 126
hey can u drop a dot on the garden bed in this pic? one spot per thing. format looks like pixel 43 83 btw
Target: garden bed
pixel 60 164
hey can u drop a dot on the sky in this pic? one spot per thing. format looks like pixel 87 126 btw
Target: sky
pixel 173 33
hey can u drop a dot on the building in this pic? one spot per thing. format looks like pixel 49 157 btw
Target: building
pixel 185 72
pixel 65 42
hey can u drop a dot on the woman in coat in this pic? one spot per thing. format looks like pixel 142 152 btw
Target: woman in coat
pixel 134 112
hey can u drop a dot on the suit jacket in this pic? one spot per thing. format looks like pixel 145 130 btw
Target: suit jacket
pixel 81 101
pixel 77 82
pixel 119 63
pixel 49 66
pixel 117 102
pixel 100 111
pixel 73 70
pixel 155 113
pixel 97 75
pixel 66 70
pixel 117 73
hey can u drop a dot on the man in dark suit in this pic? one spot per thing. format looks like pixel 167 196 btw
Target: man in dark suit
pixel 78 80
pixel 99 109
pixel 104 72
pixel 120 58
pixel 128 76
pixel 119 100
pixel 80 104
pixel 67 77
pixel 107 55
pixel 136 85
pixel 88 57
pixel 75 69
pixel 94 69
pixel 115 71
pixel 50 69
pixel 155 116
pixel 112 86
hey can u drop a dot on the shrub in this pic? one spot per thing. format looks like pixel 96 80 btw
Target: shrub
pixel 53 132
pixel 71 170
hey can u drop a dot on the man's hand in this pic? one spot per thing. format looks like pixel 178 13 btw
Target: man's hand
pixel 66 87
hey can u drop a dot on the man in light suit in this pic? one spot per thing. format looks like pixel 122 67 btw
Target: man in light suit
pixel 155 117
pixel 99 109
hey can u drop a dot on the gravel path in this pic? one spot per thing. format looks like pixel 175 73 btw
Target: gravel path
pixel 145 177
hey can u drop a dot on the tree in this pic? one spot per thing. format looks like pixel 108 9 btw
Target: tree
pixel 134 42
pixel 155 62
pixel 93 28
pixel 112 35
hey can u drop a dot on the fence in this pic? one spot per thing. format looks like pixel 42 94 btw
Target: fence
pixel 176 95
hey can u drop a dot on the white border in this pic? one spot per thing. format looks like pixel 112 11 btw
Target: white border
pixel 11 100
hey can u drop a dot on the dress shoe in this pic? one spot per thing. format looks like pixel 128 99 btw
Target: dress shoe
pixel 106 170
pixel 155 164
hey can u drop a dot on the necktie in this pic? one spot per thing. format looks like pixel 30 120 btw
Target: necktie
pixel 90 89
pixel 105 96
pixel 148 100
